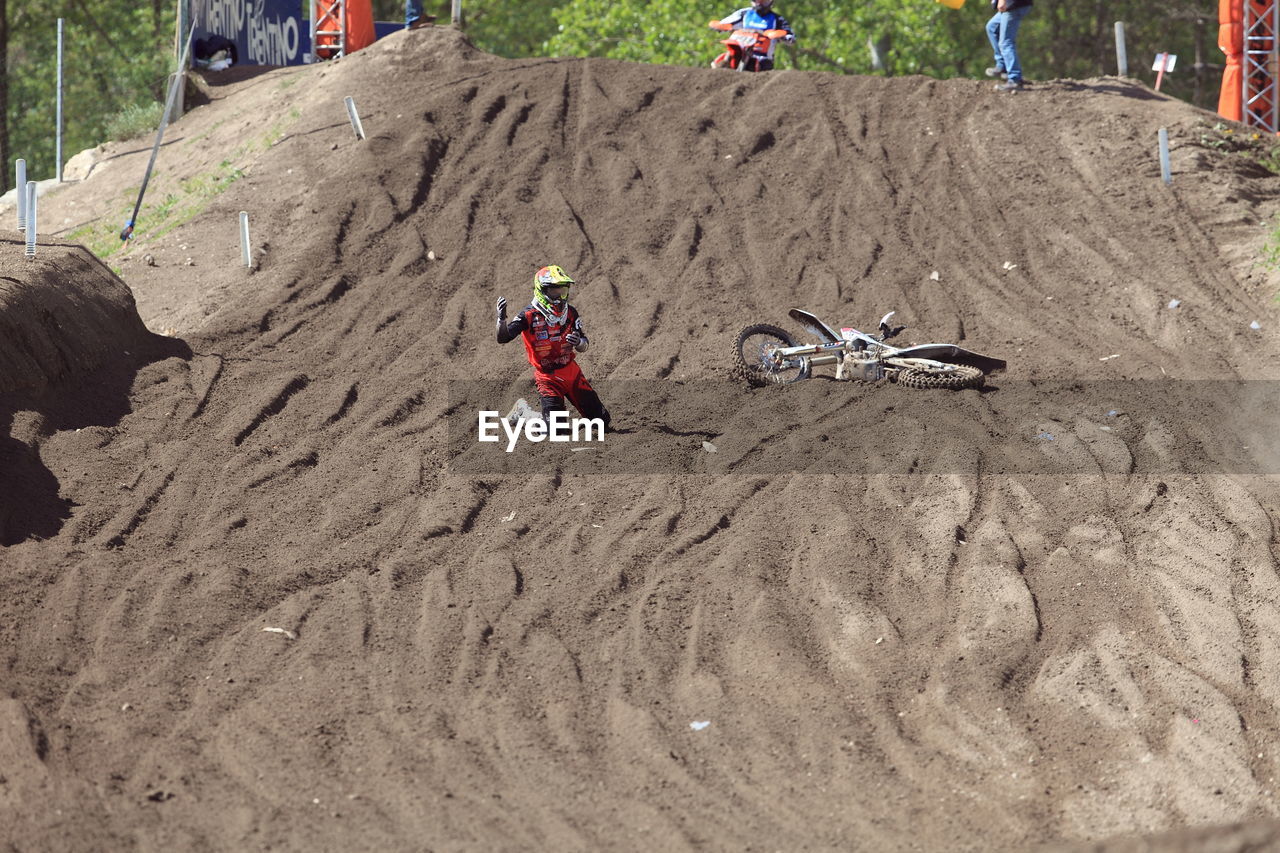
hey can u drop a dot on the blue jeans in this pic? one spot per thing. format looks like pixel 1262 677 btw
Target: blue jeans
pixel 1002 32
pixel 412 11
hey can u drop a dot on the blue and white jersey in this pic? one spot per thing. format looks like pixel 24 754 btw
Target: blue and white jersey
pixel 750 19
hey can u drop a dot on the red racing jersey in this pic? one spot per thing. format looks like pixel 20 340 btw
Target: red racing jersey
pixel 544 341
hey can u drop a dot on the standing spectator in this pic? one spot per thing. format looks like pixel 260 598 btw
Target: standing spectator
pixel 1002 32
pixel 413 16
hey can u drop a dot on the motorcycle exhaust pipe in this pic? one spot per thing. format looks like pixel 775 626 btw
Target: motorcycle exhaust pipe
pixel 809 349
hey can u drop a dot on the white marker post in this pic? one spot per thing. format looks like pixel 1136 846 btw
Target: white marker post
pixel 355 117
pixel 310 56
pixel 31 219
pixel 456 12
pixel 1122 55
pixel 1164 64
pixel 57 153
pixel 245 254
pixel 1165 173
pixel 21 183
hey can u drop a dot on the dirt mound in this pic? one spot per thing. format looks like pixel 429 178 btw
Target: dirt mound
pixel 70 342
pixel 62 315
pixel 291 602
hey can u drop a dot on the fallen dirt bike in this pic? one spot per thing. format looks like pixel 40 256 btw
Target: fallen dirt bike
pixel 745 48
pixel 768 355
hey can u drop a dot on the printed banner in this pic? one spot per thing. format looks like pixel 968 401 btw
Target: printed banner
pixel 265 32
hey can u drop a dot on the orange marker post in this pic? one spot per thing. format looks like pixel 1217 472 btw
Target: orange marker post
pixel 1164 62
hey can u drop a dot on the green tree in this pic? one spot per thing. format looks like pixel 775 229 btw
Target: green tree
pixel 915 37
pixel 500 27
pixel 511 29
pixel 1063 40
pixel 116 54
pixel 919 37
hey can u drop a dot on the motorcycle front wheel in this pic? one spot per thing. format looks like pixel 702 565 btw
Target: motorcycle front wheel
pixel 752 357
pixel 956 377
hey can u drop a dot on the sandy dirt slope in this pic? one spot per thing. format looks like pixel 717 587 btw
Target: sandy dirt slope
pixel 1045 613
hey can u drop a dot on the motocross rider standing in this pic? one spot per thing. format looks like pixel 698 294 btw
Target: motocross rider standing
pixel 758 16
pixel 552 333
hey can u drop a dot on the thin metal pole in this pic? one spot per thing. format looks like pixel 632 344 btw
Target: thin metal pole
pixel 456 13
pixel 127 232
pixel 1122 56
pixel 1199 66
pixel 57 154
pixel 21 184
pixel 31 219
pixel 354 116
pixel 1244 63
pixel 1165 173
pixel 1274 118
pixel 245 254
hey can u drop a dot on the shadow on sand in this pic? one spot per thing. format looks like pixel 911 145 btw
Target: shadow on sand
pixel 30 504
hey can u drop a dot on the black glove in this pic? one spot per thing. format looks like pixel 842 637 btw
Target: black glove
pixel 502 312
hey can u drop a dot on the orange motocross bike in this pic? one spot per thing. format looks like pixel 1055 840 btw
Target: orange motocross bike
pixel 743 49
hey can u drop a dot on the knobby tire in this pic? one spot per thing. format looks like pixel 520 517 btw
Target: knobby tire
pixel 963 376
pixel 747 365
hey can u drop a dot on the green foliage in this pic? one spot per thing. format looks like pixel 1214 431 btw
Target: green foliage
pixel 1261 148
pixel 135 120
pixel 916 36
pixel 501 27
pixel 1270 259
pixel 102 235
pixel 671 32
pixel 1065 40
pixel 116 55
pixel 507 28
pixel 161 215
pixel 171 203
pixel 922 37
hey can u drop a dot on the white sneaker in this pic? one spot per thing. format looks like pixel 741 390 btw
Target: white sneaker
pixel 521 411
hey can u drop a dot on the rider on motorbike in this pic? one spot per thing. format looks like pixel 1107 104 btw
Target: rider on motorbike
pixel 758 16
pixel 552 333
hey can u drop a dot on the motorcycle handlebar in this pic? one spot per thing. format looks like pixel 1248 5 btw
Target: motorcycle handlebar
pixel 726 28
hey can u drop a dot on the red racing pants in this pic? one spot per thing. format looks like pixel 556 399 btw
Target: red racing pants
pixel 557 384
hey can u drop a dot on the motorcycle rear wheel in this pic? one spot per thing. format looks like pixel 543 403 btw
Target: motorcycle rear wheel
pixel 750 356
pixel 961 376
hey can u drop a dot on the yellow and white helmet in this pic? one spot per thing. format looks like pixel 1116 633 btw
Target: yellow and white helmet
pixel 547 277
